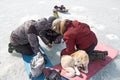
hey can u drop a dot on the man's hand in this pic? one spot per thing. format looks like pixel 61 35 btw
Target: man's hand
pixel 56 41
pixel 49 45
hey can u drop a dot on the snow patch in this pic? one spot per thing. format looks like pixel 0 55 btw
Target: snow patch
pixel 29 17
pixel 112 37
pixel 1 16
pixel 78 8
pixel 58 53
pixel 99 27
pixel 114 8
pixel 41 2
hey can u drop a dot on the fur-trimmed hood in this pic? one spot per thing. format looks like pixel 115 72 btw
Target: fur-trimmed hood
pixel 59 26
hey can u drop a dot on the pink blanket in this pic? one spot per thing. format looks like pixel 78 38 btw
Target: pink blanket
pixel 93 66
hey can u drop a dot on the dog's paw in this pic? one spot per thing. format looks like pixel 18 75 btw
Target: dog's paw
pixel 70 74
pixel 85 71
pixel 77 73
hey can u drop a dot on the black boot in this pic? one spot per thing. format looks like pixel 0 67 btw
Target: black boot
pixel 98 55
pixel 10 48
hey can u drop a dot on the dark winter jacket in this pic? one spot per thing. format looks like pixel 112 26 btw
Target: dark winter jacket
pixel 48 36
pixel 28 32
pixel 77 34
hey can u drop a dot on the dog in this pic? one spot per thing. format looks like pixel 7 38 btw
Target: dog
pixel 74 63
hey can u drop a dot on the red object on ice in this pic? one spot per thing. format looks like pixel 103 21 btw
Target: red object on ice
pixel 93 66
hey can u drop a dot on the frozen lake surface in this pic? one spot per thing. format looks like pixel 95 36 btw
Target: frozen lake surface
pixel 102 15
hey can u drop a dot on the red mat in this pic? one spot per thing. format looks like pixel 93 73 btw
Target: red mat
pixel 93 66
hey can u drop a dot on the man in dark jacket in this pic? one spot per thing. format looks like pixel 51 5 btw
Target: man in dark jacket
pixel 24 39
pixel 48 36
pixel 77 36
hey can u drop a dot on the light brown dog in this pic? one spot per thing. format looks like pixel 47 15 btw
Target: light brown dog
pixel 72 63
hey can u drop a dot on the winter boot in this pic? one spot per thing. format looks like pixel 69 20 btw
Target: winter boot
pixel 10 48
pixel 96 55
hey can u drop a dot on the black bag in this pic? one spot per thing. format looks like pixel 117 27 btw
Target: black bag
pixel 52 75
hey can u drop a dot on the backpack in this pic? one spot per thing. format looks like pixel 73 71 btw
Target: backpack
pixel 37 65
pixel 52 75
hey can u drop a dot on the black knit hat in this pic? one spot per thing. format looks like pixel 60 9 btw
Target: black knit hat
pixel 51 19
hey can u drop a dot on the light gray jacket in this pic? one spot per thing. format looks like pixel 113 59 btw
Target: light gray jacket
pixel 26 33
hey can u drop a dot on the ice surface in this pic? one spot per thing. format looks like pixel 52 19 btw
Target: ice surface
pixel 102 15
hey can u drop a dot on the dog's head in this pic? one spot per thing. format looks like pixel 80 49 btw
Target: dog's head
pixel 81 59
pixel 81 67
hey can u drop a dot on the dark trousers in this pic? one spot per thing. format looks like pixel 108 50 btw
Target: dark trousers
pixel 24 49
pixel 90 49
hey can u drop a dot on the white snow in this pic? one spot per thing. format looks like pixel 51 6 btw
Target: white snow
pixel 112 37
pixel 103 16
